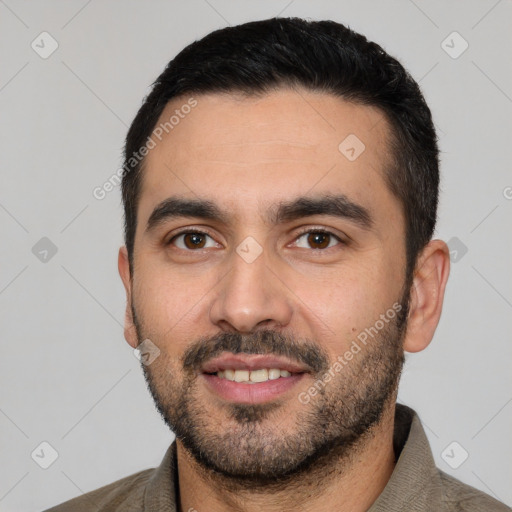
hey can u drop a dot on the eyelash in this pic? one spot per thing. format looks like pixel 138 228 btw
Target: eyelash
pixel 323 231
pixel 299 235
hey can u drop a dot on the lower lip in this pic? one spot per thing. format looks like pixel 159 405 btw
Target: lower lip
pixel 243 392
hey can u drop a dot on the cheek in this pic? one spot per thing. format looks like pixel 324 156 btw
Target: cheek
pixel 340 304
pixel 168 304
pixel 331 304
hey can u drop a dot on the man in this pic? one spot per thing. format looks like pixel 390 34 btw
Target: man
pixel 280 190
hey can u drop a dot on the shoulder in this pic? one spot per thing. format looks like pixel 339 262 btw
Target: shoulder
pixel 458 496
pixel 126 494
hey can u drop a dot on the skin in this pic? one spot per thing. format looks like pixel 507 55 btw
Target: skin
pixel 246 155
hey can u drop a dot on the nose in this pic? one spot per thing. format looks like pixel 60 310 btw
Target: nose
pixel 251 296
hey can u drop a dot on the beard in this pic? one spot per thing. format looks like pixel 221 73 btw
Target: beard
pixel 266 445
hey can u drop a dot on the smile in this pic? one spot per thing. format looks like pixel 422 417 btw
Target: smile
pixel 253 376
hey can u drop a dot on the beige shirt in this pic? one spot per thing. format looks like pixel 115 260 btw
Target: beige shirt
pixel 416 485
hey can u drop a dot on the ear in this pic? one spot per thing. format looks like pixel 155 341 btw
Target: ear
pixel 427 295
pixel 130 333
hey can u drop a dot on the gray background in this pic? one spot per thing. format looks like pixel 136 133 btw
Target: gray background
pixel 67 375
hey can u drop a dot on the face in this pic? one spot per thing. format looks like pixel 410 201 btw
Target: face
pixel 269 267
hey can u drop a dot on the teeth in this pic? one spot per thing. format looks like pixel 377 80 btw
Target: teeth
pixel 274 373
pixel 261 375
pixel 242 375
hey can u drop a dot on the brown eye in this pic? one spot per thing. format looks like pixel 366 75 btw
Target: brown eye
pixel 192 240
pixel 317 240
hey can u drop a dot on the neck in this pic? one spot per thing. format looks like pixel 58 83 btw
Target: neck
pixel 341 483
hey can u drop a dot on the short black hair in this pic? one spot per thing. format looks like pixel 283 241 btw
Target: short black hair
pixel 323 56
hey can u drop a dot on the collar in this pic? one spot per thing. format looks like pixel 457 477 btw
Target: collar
pixel 415 484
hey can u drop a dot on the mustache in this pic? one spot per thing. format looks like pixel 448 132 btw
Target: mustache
pixel 305 352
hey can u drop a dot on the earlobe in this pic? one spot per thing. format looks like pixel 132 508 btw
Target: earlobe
pixel 427 295
pixel 130 333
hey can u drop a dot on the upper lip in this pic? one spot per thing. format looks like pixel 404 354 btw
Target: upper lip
pixel 250 362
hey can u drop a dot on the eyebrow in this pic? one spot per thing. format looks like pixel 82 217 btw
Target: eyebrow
pixel 332 205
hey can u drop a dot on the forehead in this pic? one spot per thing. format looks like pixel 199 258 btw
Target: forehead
pixel 248 152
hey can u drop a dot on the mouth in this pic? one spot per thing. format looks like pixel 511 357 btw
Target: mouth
pixel 251 379
pixel 252 376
